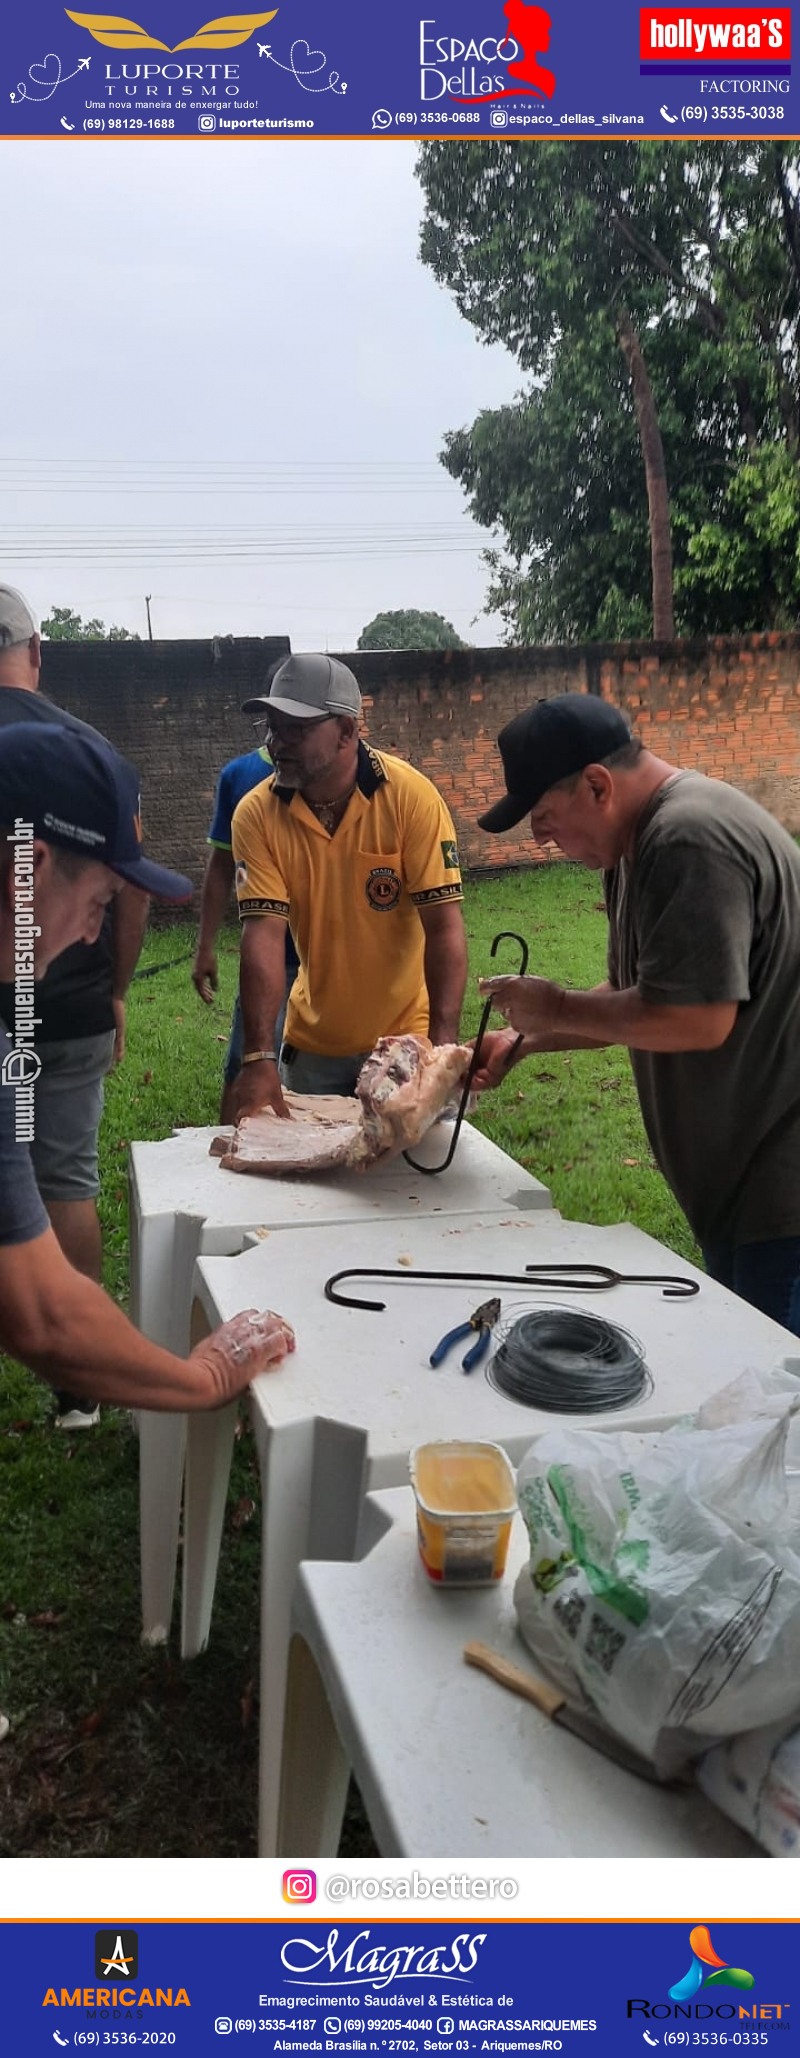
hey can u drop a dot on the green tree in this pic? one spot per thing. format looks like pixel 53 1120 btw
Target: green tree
pixel 652 293
pixel 63 626
pixel 409 628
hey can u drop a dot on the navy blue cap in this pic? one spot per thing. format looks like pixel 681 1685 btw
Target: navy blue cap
pixel 548 742
pixel 79 794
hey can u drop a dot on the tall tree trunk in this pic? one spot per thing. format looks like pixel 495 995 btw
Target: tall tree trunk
pixel 655 477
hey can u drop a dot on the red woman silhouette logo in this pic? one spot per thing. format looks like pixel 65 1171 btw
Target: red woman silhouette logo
pixel 530 27
pixel 529 33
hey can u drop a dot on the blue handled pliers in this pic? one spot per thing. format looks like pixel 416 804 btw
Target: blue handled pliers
pixel 483 1320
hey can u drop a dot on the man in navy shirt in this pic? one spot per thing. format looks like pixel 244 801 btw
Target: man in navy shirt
pixel 70 840
pixel 80 1006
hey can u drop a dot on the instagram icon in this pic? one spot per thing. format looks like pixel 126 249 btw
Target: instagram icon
pixel 299 1886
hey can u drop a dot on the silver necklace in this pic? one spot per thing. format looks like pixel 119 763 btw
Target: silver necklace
pixel 329 812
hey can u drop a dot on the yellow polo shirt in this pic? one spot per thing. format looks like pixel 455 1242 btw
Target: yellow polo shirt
pixel 350 899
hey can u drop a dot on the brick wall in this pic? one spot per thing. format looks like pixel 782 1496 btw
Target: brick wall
pixel 729 707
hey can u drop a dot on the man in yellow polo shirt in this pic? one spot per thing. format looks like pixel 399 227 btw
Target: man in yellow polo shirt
pixel 357 852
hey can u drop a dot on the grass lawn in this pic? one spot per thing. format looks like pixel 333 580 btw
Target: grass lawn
pixel 114 1751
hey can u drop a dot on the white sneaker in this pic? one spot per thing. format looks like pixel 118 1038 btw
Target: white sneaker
pixel 78 1418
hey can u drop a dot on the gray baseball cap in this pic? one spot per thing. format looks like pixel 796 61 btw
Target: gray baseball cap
pixel 17 623
pixel 308 685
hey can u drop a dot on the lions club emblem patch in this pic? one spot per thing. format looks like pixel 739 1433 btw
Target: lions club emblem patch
pixel 383 888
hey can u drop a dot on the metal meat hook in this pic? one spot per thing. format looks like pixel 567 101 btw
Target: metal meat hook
pixel 503 936
pixel 578 1278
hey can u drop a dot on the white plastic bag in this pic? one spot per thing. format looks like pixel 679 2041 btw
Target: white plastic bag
pixel 755 1779
pixel 664 1584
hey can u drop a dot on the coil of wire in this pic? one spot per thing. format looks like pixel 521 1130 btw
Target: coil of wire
pixel 569 1363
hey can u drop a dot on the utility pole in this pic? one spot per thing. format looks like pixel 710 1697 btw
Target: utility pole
pixel 147 599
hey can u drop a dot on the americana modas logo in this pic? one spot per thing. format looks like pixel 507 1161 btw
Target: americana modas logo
pixel 116 1954
pixel 117 33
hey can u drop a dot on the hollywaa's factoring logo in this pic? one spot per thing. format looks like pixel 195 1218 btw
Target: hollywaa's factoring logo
pixel 518 50
pixel 226 32
pixel 736 38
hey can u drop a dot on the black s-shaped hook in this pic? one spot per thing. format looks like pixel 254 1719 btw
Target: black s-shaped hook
pixel 503 936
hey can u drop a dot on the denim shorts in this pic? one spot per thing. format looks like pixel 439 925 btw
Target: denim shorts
pixel 67 1106
pixel 305 1071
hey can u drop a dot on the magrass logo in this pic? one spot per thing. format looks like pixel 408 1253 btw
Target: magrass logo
pixel 116 1954
pixel 704 1955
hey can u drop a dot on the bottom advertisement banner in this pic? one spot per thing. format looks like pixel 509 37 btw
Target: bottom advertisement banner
pixel 604 1989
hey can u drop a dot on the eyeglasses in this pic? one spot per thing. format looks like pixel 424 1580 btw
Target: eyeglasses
pixel 283 728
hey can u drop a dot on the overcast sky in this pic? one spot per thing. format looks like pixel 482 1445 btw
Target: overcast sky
pixel 236 348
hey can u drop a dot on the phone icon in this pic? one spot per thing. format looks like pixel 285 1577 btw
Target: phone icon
pixel 649 2039
pixel 64 2041
pixel 673 118
pixel 71 126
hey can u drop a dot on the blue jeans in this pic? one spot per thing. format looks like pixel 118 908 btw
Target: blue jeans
pixel 765 1274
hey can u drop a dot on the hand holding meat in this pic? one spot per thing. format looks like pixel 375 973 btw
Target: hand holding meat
pixel 533 1007
pixel 402 1088
pixel 496 1048
pixel 258 1086
pixel 252 1342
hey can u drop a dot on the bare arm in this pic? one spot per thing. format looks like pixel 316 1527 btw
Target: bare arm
pixel 502 1049
pixel 445 967
pixel 215 894
pixel 54 1318
pixel 262 986
pixel 542 1010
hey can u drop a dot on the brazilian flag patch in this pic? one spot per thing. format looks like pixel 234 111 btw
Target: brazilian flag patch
pixel 450 855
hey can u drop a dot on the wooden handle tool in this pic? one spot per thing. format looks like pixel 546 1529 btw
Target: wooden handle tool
pixel 552 1702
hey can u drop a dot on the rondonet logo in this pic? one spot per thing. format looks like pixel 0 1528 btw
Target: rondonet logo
pixel 707 1973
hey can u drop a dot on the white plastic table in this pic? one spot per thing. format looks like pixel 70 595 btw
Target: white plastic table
pixel 446 1760
pixel 339 1416
pixel 183 1204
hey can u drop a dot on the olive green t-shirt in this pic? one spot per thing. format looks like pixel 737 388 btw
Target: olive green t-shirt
pixel 706 910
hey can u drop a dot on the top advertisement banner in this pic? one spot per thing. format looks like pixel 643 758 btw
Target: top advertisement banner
pixel 307 71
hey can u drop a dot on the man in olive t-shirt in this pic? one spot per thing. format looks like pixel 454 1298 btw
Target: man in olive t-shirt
pixel 702 891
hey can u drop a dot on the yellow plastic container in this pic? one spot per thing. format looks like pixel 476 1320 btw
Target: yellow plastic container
pixel 466 1500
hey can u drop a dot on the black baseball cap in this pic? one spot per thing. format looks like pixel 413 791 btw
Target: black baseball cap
pixel 79 794
pixel 549 742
